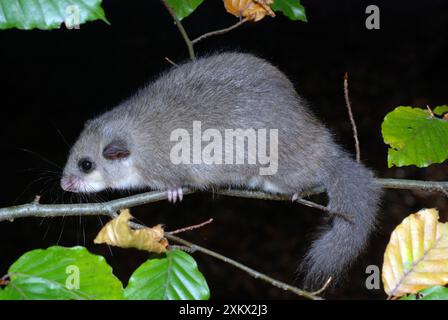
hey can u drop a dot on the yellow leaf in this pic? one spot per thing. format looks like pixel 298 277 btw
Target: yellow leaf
pixel 254 10
pixel 118 233
pixel 417 254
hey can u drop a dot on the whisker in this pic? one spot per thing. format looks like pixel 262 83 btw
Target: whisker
pixel 48 228
pixel 62 229
pixel 102 225
pixel 39 156
pixel 61 135
pixel 27 188
pixel 42 170
pixel 82 230
pixel 44 218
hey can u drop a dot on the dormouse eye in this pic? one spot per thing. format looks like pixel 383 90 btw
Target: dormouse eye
pixel 86 165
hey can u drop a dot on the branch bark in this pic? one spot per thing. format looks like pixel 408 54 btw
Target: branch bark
pixel 35 209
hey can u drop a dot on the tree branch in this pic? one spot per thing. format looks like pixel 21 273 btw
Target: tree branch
pixel 190 43
pixel 181 30
pixel 405 184
pixel 220 31
pixel 35 209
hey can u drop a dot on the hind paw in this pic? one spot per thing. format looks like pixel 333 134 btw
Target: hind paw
pixel 175 194
pixel 295 196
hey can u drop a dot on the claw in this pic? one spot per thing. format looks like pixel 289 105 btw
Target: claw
pixel 295 196
pixel 180 193
pixel 175 194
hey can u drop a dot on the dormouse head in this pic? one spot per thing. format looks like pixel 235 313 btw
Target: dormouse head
pixel 102 158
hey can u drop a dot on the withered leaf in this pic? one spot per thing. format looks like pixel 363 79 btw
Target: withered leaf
pixel 253 10
pixel 417 254
pixel 118 233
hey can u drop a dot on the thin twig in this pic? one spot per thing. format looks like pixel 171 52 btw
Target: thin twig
pixel 171 62
pixel 180 247
pixel 220 31
pixel 430 111
pixel 181 30
pixel 190 44
pixel 252 272
pixel 352 119
pixel 196 226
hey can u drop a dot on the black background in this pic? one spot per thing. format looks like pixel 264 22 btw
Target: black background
pixel 54 80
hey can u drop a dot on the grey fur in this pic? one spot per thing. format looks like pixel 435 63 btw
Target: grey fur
pixel 234 90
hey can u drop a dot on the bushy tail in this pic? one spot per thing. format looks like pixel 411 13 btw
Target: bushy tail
pixel 353 203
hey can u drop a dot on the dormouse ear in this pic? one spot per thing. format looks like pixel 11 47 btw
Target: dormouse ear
pixel 117 149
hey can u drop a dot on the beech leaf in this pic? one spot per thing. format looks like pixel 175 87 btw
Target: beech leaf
pixel 417 254
pixel 293 9
pixel 61 273
pixel 174 277
pixel 254 10
pixel 48 14
pixel 416 137
pixel 183 8
pixel 431 293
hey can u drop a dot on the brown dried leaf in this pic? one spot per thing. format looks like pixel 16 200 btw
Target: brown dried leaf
pixel 254 10
pixel 118 233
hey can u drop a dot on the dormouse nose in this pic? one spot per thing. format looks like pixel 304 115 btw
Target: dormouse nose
pixel 70 183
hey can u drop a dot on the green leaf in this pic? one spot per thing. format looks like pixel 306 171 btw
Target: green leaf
pixel 47 14
pixel 290 8
pixel 53 273
pixel 9 294
pixel 183 8
pixel 175 277
pixel 431 293
pixel 415 137
pixel 440 110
